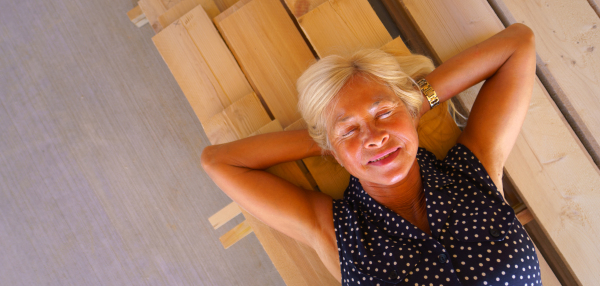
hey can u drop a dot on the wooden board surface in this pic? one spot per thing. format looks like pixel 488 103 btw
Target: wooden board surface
pixel 301 7
pixel 189 68
pixel 567 43
pixel 202 64
pixel 154 8
pixel 550 168
pixel 216 54
pixel 343 26
pixel 185 6
pixel 270 51
pixel 237 121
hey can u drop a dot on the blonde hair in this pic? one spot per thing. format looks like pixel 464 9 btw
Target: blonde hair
pixel 323 80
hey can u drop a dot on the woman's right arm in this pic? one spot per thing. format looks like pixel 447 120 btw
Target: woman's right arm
pixel 238 168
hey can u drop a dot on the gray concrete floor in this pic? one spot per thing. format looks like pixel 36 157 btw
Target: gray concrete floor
pixel 100 181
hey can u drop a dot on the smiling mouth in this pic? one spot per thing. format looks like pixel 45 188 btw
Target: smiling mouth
pixel 383 157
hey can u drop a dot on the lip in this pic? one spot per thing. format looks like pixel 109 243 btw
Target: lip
pixel 391 152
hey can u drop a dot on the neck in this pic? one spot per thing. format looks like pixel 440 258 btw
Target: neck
pixel 406 198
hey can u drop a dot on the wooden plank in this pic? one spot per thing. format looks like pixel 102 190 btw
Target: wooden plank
pixel 552 171
pixel 237 121
pixel 343 26
pixel 153 9
pixel 270 51
pixel 301 7
pixel 216 54
pixel 235 234
pixel 137 17
pixel 331 178
pixel 224 4
pixel 191 72
pixel 224 215
pixel 185 6
pixel 569 60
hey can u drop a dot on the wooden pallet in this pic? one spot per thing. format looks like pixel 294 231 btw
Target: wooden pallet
pixel 550 167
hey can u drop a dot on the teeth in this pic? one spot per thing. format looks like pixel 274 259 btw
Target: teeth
pixel 382 157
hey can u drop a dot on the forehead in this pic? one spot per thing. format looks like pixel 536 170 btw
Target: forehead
pixel 360 94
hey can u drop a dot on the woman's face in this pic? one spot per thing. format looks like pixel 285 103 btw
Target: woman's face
pixel 372 132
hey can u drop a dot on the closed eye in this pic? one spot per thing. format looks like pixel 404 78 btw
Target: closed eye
pixel 385 114
pixel 348 133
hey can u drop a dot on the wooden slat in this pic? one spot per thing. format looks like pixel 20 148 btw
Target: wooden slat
pixel 237 121
pixel 137 17
pixel 224 215
pixel 199 60
pixel 216 54
pixel 270 51
pixel 153 9
pixel 567 46
pixel 552 171
pixel 343 26
pixel 301 7
pixel 185 6
pixel 235 234
pixel 191 72
pixel 225 4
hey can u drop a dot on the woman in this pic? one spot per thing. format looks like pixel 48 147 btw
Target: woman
pixel 405 217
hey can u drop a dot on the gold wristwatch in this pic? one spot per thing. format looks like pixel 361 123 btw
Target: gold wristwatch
pixel 429 93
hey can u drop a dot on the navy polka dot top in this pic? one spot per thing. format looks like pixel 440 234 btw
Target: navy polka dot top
pixel 476 238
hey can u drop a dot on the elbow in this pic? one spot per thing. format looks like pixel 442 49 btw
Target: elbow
pixel 525 34
pixel 207 159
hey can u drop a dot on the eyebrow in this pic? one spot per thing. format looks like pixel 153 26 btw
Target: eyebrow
pixel 339 119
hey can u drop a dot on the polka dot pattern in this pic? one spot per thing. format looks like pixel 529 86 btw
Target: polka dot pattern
pixel 476 238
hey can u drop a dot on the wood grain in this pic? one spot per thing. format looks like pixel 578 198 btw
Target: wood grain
pixel 185 6
pixel 301 7
pixel 216 54
pixel 224 4
pixel 343 26
pixel 235 234
pixel 237 121
pixel 270 51
pixel 552 171
pixel 191 72
pixel 567 46
pixel 224 215
pixel 137 17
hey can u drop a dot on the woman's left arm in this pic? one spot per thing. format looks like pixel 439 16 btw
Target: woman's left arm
pixel 506 62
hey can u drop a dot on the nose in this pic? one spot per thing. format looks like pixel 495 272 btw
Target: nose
pixel 375 137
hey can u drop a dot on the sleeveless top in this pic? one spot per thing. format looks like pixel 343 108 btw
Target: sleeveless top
pixel 476 238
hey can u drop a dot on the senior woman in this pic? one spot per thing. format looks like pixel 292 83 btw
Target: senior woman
pixel 406 217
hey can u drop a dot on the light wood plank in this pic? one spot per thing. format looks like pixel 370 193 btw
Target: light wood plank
pixel 235 234
pixel 224 4
pixel 224 215
pixel 567 47
pixel 552 171
pixel 187 65
pixel 137 17
pixel 153 9
pixel 301 7
pixel 237 121
pixel 216 54
pixel 270 51
pixel 185 6
pixel 343 26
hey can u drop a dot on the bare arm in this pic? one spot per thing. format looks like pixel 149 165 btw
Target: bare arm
pixel 506 62
pixel 305 215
